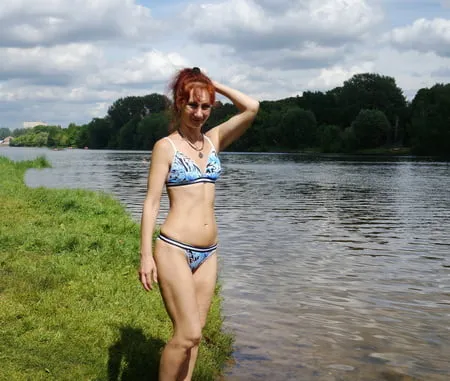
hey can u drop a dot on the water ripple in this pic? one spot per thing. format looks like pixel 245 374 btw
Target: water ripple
pixel 333 267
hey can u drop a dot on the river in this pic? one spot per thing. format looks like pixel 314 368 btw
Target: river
pixel 333 267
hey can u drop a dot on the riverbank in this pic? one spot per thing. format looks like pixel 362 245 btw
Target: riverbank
pixel 72 307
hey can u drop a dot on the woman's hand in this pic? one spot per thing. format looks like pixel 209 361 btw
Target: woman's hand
pixel 147 272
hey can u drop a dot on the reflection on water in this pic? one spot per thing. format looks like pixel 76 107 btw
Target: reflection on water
pixel 334 268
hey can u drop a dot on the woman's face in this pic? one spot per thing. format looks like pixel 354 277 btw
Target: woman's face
pixel 195 112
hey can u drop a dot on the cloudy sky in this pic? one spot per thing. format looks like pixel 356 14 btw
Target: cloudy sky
pixel 65 61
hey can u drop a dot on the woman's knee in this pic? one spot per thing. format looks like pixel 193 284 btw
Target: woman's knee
pixel 188 339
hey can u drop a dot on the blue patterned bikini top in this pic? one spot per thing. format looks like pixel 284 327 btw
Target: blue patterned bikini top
pixel 184 171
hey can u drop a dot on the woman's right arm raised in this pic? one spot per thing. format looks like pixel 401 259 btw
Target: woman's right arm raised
pixel 159 168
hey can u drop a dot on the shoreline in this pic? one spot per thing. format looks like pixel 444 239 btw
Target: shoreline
pixel 71 302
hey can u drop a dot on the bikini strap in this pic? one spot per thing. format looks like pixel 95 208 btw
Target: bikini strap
pixel 173 145
pixel 210 142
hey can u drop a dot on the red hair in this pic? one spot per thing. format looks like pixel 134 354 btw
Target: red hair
pixel 182 84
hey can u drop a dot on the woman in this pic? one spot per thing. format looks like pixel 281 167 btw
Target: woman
pixel 184 261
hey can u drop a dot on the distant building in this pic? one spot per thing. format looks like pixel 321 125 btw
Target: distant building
pixel 5 142
pixel 33 124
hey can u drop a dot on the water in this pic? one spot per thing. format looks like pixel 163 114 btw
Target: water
pixel 333 268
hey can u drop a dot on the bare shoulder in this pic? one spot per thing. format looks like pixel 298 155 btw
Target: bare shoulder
pixel 162 150
pixel 163 144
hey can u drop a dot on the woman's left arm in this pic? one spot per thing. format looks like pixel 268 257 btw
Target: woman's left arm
pixel 227 132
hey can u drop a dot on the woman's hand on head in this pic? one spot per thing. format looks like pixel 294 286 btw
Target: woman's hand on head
pixel 148 273
pixel 217 87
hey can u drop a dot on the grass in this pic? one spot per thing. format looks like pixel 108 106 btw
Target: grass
pixel 71 306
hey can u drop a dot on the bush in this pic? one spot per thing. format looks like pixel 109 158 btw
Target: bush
pixel 371 129
pixel 330 138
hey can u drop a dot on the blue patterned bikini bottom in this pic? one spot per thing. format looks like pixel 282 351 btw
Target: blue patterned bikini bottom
pixel 195 256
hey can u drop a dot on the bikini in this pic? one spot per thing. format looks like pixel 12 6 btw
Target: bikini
pixel 195 256
pixel 183 172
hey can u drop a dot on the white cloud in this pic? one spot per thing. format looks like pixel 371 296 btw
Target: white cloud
pixel 411 69
pixel 261 83
pixel 79 75
pixel 69 60
pixel 248 25
pixel 307 56
pixel 55 104
pixel 49 22
pixel 55 94
pixel 335 76
pixel 150 67
pixel 285 35
pixel 97 109
pixel 34 73
pixel 48 65
pixel 424 36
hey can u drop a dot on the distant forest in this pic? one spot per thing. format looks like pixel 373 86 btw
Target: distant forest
pixel 369 113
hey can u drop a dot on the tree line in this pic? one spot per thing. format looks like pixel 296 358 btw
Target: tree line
pixel 368 112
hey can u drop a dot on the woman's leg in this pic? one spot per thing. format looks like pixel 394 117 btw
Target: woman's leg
pixel 205 282
pixel 179 294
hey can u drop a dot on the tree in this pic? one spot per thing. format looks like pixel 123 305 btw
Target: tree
pixel 155 103
pixel 125 109
pixel 31 139
pixel 221 112
pixel 82 136
pixel 50 136
pixel 349 142
pixel 72 133
pixel 20 131
pixel 259 135
pixel 298 128
pixel 126 135
pixel 98 133
pixel 4 132
pixel 150 129
pixel 430 121
pixel 54 135
pixel 374 91
pixel 40 139
pixel 323 105
pixel 371 128
pixel 330 138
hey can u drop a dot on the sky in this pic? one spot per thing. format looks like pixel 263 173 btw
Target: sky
pixel 64 61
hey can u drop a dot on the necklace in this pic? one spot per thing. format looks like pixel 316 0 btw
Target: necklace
pixel 199 150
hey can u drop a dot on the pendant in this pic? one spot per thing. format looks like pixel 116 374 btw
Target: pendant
pixel 200 155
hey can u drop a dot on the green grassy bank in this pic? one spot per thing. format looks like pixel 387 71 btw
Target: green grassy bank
pixel 71 306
